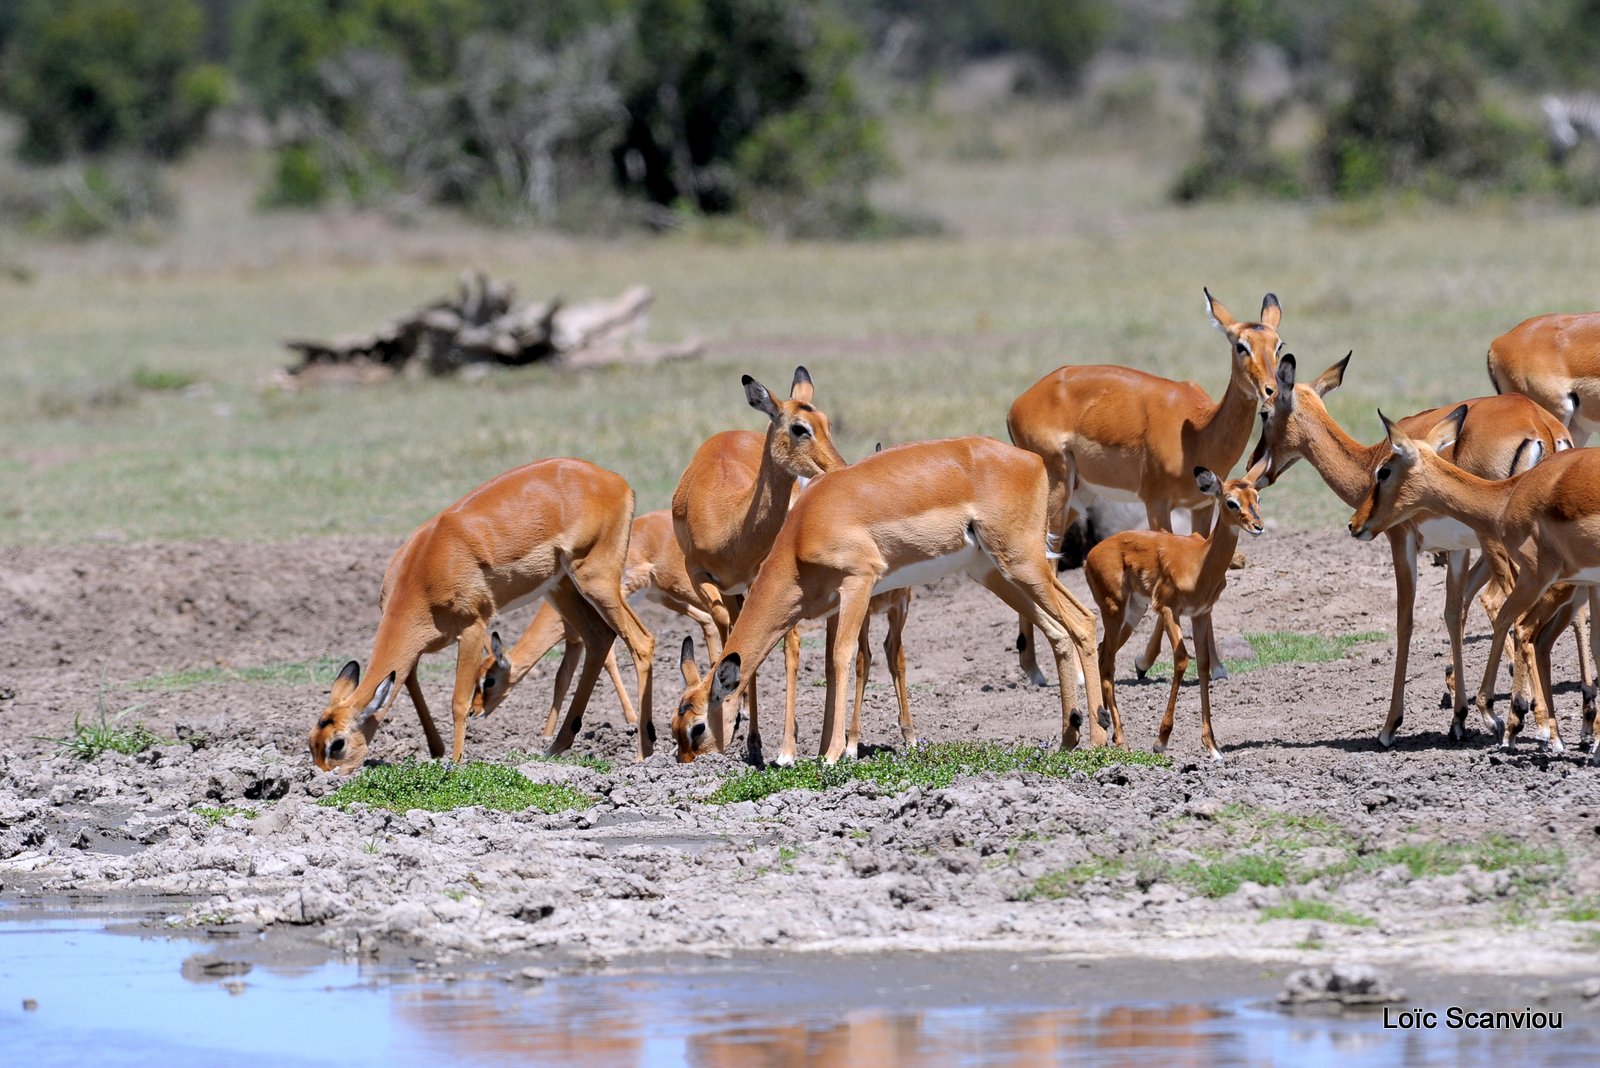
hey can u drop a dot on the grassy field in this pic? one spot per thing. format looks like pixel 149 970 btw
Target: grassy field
pixel 134 378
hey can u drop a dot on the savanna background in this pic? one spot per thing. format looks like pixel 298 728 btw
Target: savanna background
pixel 928 204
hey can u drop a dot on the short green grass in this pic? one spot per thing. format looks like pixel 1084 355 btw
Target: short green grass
pixel 1302 908
pixel 934 765
pixel 1066 882
pixel 1282 647
pixel 215 814
pixel 1221 876
pixel 105 734
pixel 432 786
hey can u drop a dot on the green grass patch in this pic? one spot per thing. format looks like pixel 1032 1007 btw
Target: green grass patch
pixel 1307 909
pixel 1584 910
pixel 1053 885
pixel 215 814
pixel 162 380
pixel 935 765
pixel 1284 647
pixel 105 734
pixel 1223 875
pixel 1493 853
pixel 430 786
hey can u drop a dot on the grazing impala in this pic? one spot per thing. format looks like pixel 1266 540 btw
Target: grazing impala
pixel 1553 360
pixel 731 502
pixel 902 517
pixel 1120 434
pixel 1136 570
pixel 554 528
pixel 654 571
pixel 1493 443
pixel 1542 526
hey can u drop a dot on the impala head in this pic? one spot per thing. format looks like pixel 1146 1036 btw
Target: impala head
pixel 345 728
pixel 1255 346
pixel 1396 493
pixel 1239 497
pixel 494 677
pixel 1285 426
pixel 801 440
pixel 691 719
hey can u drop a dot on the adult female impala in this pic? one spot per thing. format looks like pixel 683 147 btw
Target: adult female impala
pixel 1120 434
pixel 732 499
pixel 654 571
pixel 554 528
pixel 1543 526
pixel 902 517
pixel 1136 570
pixel 1553 360
pixel 1492 444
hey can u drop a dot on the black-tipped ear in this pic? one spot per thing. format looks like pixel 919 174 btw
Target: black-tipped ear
pixel 379 698
pixel 1286 367
pixel 496 646
pixel 727 679
pixel 1271 311
pixel 759 398
pixel 1333 377
pixel 350 673
pixel 1208 482
pixel 801 389
pixel 686 652
pixel 1527 456
pixel 1448 429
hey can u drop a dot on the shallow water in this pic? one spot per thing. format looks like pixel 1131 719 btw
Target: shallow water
pixel 107 998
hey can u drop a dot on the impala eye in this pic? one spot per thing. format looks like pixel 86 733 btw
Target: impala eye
pixel 1383 473
pixel 488 682
pixel 1233 504
pixel 1244 350
pixel 800 430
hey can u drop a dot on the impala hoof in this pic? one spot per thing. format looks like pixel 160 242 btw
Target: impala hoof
pixel 1219 672
pixel 1038 679
pixel 1216 757
pixel 1159 747
pixel 1496 724
pixel 784 760
pixel 1386 739
pixel 1555 745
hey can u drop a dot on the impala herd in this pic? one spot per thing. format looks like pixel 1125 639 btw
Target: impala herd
pixel 770 528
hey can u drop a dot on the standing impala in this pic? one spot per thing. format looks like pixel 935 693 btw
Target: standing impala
pixel 1543 526
pixel 731 502
pixel 1492 444
pixel 1553 360
pixel 905 516
pixel 1136 570
pixel 1120 434
pixel 654 570
pixel 554 528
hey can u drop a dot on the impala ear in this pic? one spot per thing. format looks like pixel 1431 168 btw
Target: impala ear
pixel 1271 311
pixel 686 664
pixel 1219 315
pixel 1257 475
pixel 727 678
pixel 1333 377
pixel 345 683
pixel 1208 482
pixel 1447 430
pixel 1400 442
pixel 1286 368
pixel 758 397
pixel 1527 456
pixel 497 649
pixel 801 389
pixel 374 709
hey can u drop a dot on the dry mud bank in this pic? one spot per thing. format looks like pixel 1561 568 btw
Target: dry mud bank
pixel 1310 843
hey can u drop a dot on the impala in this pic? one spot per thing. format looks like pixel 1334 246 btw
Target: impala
pixel 1494 442
pixel 1542 526
pixel 1555 361
pixel 554 528
pixel 654 571
pixel 731 502
pixel 1121 434
pixel 1137 570
pixel 905 516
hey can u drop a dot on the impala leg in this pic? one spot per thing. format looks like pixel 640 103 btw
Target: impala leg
pixel 429 731
pixel 1167 621
pixel 894 651
pixel 852 738
pixel 791 681
pixel 469 650
pixel 602 589
pixel 1552 628
pixel 595 636
pixel 1524 594
pixel 1202 648
pixel 1058 517
pixel 1158 517
pixel 571 654
pixel 855 593
pixel 629 715
pixel 1588 737
pixel 1403 548
pixel 1025 599
pixel 1455 603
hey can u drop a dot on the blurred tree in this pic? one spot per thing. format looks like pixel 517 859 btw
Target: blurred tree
pixel 1060 36
pixel 93 76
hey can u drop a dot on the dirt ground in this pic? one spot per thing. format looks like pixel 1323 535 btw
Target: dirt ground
pixel 652 868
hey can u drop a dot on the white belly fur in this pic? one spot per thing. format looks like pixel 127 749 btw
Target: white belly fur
pixel 527 598
pixel 1589 576
pixel 925 571
pixel 1444 535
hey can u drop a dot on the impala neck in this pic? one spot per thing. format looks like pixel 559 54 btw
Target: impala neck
pixel 1226 434
pixel 397 647
pixel 769 501
pixel 772 606
pixel 1220 546
pixel 1478 502
pixel 1344 463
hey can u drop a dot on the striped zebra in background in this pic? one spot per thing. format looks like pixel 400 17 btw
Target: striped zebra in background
pixel 1568 120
